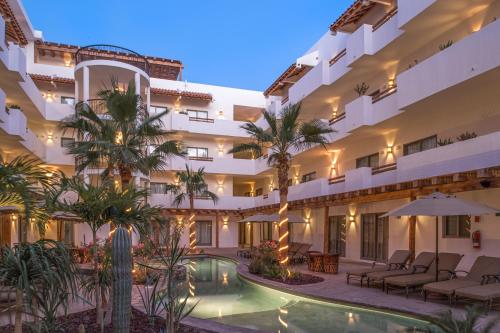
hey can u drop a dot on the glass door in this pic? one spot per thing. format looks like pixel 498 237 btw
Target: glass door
pixel 336 234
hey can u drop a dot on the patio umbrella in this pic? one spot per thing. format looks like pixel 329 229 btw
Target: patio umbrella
pixel 439 204
pixel 255 218
pixel 292 218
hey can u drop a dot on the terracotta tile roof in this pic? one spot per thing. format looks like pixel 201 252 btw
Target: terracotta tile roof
pixel 353 14
pixel 185 94
pixel 13 31
pixel 48 78
pixel 154 91
pixel 161 68
pixel 290 72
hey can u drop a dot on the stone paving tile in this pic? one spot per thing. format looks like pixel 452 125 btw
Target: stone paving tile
pixel 335 288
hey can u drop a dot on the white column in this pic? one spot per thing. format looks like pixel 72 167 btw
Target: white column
pixel 137 83
pixel 148 98
pixel 77 92
pixel 86 84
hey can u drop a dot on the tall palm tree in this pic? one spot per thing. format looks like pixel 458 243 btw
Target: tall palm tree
pixel 286 134
pixel 118 133
pixel 23 183
pixel 191 185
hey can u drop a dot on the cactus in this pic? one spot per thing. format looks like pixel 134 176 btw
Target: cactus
pixel 122 280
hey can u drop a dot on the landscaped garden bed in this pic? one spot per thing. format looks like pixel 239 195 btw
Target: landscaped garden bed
pixel 139 323
pixel 264 264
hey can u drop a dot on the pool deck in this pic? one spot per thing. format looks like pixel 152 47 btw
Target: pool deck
pixel 335 288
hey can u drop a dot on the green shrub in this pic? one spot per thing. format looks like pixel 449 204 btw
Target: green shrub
pixel 256 266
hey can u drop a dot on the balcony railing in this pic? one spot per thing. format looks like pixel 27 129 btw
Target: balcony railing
pixel 111 52
pixel 384 93
pixel 338 57
pixel 336 180
pixel 384 168
pixel 203 120
pixel 284 100
pixel 200 158
pixel 337 118
pixel 385 18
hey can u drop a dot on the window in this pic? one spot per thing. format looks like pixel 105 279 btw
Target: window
pixel 456 226
pixel 290 182
pixel 258 192
pixel 336 235
pixel 198 114
pixel 204 233
pixel 197 152
pixel 67 100
pixel 158 188
pixel 420 145
pixel 67 142
pixel 370 161
pixel 65 232
pixel 308 177
pixel 374 237
pixel 266 231
pixel 157 109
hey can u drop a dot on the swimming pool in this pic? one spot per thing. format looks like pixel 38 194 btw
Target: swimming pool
pixel 224 297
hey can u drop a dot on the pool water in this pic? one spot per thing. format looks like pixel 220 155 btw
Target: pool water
pixel 224 297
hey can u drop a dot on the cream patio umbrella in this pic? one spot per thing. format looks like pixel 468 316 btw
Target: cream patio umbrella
pixel 439 204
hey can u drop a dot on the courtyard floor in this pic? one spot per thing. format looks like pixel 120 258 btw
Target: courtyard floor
pixel 333 288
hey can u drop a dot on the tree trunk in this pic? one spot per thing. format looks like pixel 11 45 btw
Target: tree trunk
pixel 98 306
pixel 283 213
pixel 192 226
pixel 18 328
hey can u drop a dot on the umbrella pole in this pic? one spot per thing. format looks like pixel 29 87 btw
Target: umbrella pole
pixel 437 247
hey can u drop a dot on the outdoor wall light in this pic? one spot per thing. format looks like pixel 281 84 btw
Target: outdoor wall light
pixel 220 149
pixel 225 221
pixel 50 137
pixel 351 218
pixel 390 150
pixel 391 83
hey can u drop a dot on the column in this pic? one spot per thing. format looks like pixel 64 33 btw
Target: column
pixel 412 223
pixel 217 230
pixel 77 92
pixel 148 98
pixel 137 81
pixel 326 229
pixel 86 84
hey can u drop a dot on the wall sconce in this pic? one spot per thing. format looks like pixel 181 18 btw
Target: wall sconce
pixel 67 59
pixel 225 221
pixel 334 112
pixel 177 105
pixel 271 186
pixel 220 114
pixel 220 186
pixel 391 83
pixel 179 220
pixel 220 149
pixel 351 218
pixel 50 137
pixel 49 96
pixel 308 220
pixel 389 150
pixel 296 179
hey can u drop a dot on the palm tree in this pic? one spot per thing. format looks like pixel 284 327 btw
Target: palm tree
pixel 286 134
pixel 23 183
pixel 43 275
pixel 191 185
pixel 124 137
pixel 90 208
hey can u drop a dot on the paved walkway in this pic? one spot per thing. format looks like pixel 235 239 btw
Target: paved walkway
pixel 335 288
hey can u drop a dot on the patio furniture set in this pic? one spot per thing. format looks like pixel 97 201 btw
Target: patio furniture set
pixel 480 284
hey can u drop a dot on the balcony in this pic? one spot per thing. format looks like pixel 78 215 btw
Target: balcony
pixel 224 202
pixel 181 122
pixel 114 53
pixel 13 121
pixel 472 56
pixel 367 111
pixel 480 152
pixel 409 9
pixel 311 81
pixel 359 44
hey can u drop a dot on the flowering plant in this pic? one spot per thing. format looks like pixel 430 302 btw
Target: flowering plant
pixel 269 245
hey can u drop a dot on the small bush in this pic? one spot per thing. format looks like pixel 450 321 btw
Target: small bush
pixel 466 136
pixel 444 142
pixel 256 266
pixel 361 88
pixel 445 45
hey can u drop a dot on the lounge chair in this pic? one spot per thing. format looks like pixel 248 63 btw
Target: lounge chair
pixel 301 254
pixel 485 293
pixel 396 261
pixel 293 248
pixel 421 264
pixel 483 268
pixel 447 264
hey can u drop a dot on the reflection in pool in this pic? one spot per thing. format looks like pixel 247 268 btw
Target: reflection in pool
pixel 224 297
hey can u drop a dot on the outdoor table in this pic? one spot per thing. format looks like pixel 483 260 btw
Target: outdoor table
pixel 331 263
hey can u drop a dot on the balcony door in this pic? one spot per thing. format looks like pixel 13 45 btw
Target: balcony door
pixel 244 235
pixel 5 230
pixel 336 234
pixel 374 237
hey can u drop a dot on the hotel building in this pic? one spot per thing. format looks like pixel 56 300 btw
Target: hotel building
pixel 410 88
